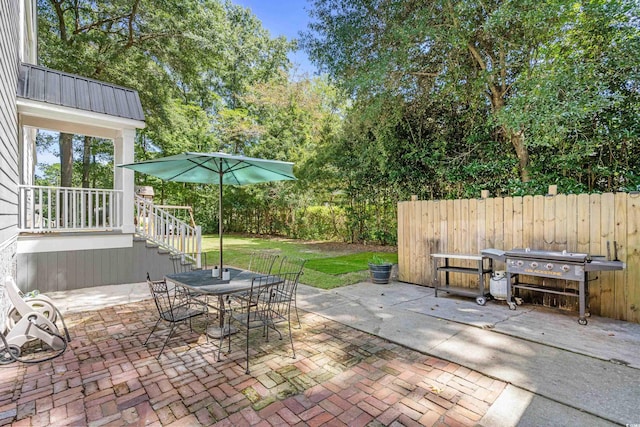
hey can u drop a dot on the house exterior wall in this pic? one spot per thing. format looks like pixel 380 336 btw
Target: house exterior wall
pixel 9 172
pixel 28 53
pixel 28 40
pixel 65 267
pixel 66 270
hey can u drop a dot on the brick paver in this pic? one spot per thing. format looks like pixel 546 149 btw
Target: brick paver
pixel 340 376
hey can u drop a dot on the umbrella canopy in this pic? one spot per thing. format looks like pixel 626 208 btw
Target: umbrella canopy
pixel 215 168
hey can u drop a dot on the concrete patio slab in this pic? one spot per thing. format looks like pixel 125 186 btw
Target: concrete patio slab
pixel 543 352
pixel 76 300
pixel 516 407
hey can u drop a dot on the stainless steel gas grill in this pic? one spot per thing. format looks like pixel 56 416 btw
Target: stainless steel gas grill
pixel 561 265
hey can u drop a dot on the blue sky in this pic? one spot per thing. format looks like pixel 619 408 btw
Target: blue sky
pixel 283 18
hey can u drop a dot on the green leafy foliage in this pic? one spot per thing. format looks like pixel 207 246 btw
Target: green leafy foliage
pixel 436 99
pixel 187 60
pixel 350 263
pixel 454 97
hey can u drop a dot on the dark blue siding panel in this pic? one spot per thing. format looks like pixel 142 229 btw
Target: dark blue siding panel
pixel 67 91
pixel 82 95
pixel 55 87
pixel 52 88
pixel 95 97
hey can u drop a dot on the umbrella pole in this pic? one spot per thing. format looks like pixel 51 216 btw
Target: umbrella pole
pixel 220 220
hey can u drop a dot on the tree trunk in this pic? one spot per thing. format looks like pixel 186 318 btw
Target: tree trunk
pixel 66 159
pixel 86 162
pixel 497 92
pixel 66 175
pixel 517 139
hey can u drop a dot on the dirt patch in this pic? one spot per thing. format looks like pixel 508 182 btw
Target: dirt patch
pixel 341 248
pixel 338 248
pixel 350 247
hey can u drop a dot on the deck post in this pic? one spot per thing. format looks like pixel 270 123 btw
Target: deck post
pixel 123 178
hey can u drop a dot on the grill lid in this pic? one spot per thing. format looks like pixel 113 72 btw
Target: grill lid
pixel 565 256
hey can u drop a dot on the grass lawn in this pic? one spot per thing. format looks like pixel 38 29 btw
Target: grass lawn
pixel 348 263
pixel 329 265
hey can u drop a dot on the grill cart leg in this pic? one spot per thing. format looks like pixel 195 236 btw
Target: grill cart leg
pixel 512 305
pixel 434 272
pixel 581 301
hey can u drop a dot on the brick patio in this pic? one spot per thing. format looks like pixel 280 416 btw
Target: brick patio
pixel 340 377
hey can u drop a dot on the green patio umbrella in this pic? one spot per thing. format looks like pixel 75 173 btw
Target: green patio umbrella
pixel 215 168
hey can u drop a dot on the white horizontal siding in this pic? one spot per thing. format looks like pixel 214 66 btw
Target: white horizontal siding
pixel 9 43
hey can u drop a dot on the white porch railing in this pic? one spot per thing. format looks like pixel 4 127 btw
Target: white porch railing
pixel 162 228
pixel 48 209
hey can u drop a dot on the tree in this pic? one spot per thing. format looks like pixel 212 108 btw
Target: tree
pixel 580 105
pixel 186 58
pixel 66 159
pixel 287 120
pixel 477 57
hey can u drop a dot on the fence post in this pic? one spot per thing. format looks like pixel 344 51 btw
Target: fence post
pixel 553 190
pixel 484 194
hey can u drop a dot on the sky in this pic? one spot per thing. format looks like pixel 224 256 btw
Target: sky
pixel 284 18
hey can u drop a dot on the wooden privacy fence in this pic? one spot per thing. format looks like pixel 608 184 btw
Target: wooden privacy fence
pixel 577 223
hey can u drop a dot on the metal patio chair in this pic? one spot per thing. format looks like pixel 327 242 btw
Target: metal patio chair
pixel 281 297
pixel 180 265
pixel 174 306
pixel 292 265
pixel 267 304
pixel 262 262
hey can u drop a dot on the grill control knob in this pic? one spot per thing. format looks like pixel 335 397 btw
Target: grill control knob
pixel 534 264
pixel 549 266
pixel 520 263
pixel 566 268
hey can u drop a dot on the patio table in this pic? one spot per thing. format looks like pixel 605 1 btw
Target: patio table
pixel 202 282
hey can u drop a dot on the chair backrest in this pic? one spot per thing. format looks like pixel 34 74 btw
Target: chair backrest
pixel 291 265
pixel 281 296
pixel 163 297
pixel 262 262
pixel 179 265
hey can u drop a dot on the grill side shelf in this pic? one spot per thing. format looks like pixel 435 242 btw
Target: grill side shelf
pixel 467 270
pixel 603 265
pixel 479 293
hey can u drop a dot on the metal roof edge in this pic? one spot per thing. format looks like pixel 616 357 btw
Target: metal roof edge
pixel 45 85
